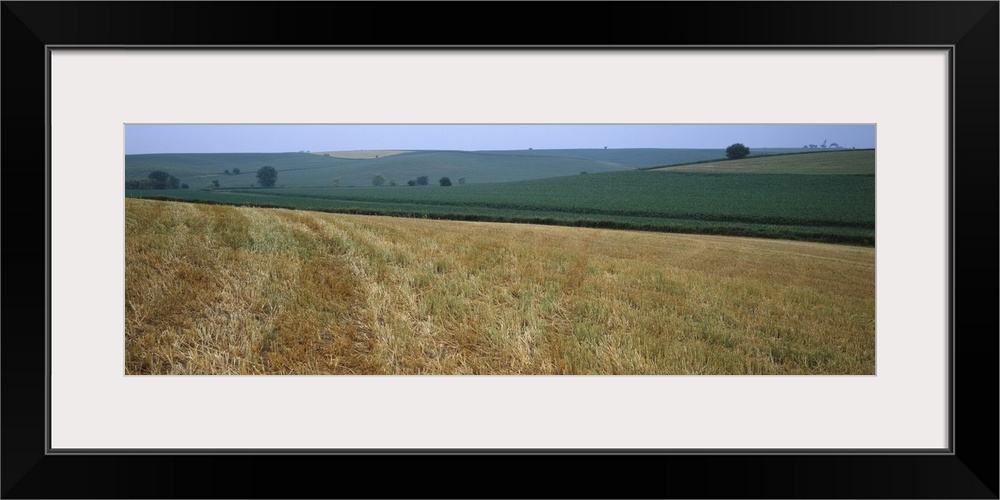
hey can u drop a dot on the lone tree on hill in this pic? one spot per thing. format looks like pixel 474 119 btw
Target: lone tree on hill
pixel 267 176
pixel 737 151
pixel 445 181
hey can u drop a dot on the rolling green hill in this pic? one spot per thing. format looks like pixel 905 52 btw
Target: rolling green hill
pixel 208 166
pixel 474 166
pixel 318 170
pixel 312 170
pixel 641 157
pixel 850 162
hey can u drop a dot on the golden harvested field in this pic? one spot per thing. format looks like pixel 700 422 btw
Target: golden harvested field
pixel 232 290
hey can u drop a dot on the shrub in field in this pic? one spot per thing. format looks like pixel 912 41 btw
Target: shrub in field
pixel 737 151
pixel 267 176
pixel 139 184
pixel 378 180
pixel 185 186
pixel 461 180
pixel 445 181
pixel 422 180
pixel 162 180
pixel 411 182
pixel 236 171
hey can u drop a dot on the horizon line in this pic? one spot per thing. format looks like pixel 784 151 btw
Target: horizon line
pixel 471 150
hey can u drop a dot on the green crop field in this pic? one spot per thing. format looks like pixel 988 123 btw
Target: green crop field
pixel 848 162
pixel 828 208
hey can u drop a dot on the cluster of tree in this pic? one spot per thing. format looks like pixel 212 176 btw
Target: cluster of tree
pixel 423 181
pixel 833 145
pixel 380 180
pixel 419 181
pixel 157 179
pixel 737 151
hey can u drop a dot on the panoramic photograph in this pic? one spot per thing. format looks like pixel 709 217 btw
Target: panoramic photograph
pixel 582 249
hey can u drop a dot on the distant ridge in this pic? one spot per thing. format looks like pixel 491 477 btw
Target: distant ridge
pixel 356 168
pixel 842 162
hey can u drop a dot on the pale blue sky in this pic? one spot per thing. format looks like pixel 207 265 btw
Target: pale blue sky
pixel 141 139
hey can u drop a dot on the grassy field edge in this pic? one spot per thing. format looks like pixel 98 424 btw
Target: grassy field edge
pixel 792 232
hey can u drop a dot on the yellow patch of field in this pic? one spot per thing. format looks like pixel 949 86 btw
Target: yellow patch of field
pixel 359 154
pixel 214 289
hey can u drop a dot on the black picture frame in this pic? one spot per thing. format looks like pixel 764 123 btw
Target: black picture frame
pixel 968 470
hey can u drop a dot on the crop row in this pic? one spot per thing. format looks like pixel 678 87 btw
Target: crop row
pixel 819 208
pixel 774 199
